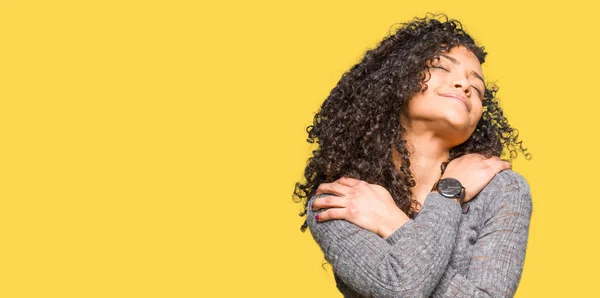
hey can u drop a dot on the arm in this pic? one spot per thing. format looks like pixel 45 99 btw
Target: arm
pixel 499 253
pixel 379 267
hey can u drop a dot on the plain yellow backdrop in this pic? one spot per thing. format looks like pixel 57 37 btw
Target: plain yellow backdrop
pixel 150 148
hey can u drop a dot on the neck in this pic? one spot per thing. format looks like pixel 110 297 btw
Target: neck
pixel 427 152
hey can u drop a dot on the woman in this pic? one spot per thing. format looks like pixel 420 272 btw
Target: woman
pixel 406 194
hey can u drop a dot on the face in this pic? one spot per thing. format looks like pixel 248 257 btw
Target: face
pixel 451 106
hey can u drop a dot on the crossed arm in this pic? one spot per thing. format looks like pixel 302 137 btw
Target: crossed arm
pixel 499 253
pixel 415 260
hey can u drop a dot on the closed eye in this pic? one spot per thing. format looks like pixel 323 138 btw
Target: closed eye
pixel 440 67
pixel 478 91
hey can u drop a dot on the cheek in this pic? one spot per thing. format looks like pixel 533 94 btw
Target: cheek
pixel 479 107
pixel 434 81
pixel 421 102
pixel 477 111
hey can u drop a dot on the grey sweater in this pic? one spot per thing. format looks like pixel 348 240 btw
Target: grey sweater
pixel 442 252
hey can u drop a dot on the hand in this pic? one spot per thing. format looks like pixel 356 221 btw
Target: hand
pixel 474 171
pixel 368 206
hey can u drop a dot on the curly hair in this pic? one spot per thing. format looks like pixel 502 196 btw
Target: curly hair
pixel 359 124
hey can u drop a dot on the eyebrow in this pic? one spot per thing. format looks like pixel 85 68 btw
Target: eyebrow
pixel 454 61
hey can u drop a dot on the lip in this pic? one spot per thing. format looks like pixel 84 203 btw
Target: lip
pixel 458 96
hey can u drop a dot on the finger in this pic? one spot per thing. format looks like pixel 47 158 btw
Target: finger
pixel 333 188
pixel 351 182
pixel 493 159
pixel 492 163
pixel 503 165
pixel 329 202
pixel 477 156
pixel 500 166
pixel 378 188
pixel 329 214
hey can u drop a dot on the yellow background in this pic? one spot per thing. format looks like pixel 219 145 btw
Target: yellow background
pixel 150 148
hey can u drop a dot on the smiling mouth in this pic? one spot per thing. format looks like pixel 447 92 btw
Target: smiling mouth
pixel 462 101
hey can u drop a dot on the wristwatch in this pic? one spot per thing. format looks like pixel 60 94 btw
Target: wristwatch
pixel 450 188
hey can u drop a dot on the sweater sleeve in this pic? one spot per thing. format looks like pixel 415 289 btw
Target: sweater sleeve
pixel 499 252
pixel 377 267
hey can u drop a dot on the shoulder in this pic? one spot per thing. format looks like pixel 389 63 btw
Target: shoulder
pixel 507 188
pixel 509 180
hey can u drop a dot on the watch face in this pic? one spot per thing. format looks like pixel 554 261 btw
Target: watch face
pixel 449 187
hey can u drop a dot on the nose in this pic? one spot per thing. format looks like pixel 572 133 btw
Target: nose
pixel 463 84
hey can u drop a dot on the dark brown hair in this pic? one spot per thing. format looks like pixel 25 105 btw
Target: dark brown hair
pixel 358 125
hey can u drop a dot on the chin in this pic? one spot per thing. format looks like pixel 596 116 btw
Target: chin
pixel 459 127
pixel 458 119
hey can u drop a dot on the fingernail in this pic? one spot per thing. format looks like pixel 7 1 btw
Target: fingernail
pixel 317 217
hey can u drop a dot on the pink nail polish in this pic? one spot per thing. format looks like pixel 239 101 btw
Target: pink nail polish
pixel 317 217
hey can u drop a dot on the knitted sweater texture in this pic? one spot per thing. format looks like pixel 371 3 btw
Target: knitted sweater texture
pixel 442 252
